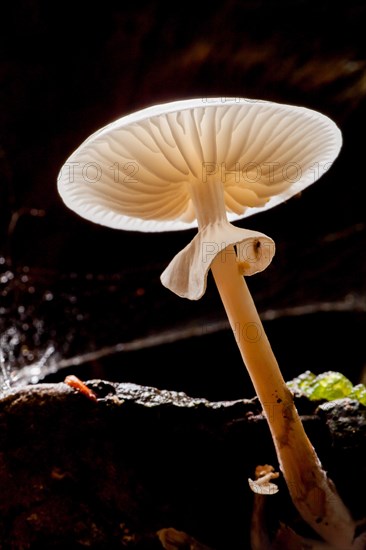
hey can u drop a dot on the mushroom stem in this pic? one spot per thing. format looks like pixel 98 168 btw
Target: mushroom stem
pixel 313 494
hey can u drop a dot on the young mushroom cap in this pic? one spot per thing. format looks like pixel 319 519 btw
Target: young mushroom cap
pixel 199 162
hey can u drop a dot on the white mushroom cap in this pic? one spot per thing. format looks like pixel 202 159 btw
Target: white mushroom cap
pixel 135 173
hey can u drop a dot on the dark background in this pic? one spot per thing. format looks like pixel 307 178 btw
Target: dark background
pixel 70 288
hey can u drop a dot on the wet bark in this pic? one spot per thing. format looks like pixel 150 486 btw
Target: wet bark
pixel 112 473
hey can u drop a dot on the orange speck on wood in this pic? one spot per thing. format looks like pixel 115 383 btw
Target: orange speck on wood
pixel 77 384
